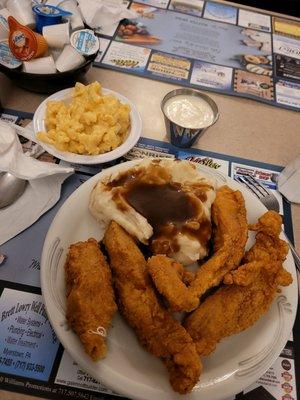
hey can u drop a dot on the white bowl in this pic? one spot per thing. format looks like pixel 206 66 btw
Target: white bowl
pixel 65 95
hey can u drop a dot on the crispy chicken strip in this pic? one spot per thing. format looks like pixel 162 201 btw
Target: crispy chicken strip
pixel 267 243
pixel 168 276
pixel 90 297
pixel 248 293
pixel 156 329
pixel 230 237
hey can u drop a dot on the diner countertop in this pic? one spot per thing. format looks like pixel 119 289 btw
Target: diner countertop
pixel 246 128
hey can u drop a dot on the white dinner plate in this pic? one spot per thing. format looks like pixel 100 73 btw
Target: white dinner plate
pixel 132 136
pixel 128 369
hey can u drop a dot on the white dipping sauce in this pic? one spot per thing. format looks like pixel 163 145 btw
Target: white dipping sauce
pixel 189 111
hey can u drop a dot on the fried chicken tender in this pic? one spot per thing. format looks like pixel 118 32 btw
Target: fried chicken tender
pixel 267 243
pixel 230 238
pixel 156 329
pixel 269 223
pixel 90 296
pixel 249 290
pixel 168 276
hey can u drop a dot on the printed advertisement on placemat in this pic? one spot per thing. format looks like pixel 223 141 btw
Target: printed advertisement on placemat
pixel 207 45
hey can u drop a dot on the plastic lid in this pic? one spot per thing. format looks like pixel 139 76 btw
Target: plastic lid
pixel 3 22
pixel 6 56
pixel 50 11
pixel 85 42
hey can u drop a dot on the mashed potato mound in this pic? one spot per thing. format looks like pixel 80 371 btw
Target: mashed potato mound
pixel 92 123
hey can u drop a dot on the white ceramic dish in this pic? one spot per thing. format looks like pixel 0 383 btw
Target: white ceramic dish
pixel 128 369
pixel 65 95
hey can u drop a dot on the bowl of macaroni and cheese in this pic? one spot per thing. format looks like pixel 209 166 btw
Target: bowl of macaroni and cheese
pixel 87 124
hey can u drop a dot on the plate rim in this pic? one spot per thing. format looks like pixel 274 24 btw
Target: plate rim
pixel 131 140
pixel 119 386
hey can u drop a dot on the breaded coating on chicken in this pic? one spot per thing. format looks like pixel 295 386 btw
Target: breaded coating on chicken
pixel 155 327
pixel 90 296
pixel 168 277
pixel 248 291
pixel 230 238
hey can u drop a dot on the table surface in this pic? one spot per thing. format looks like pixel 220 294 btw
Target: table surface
pixel 246 128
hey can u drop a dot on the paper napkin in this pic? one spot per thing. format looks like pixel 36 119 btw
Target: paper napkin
pixel 288 181
pixel 43 188
pixel 102 13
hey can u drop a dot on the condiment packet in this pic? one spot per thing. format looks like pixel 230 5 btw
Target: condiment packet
pixel 4 31
pixel 42 65
pixel 24 43
pixel 76 19
pixel 57 35
pixel 69 59
pixel 22 11
pixel 6 56
pixel 85 42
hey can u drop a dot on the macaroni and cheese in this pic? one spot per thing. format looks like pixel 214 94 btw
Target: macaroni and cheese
pixel 92 123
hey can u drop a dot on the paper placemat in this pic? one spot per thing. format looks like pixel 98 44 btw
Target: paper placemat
pixel 207 45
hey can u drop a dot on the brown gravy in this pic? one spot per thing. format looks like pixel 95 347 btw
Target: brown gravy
pixel 166 206
pixel 161 204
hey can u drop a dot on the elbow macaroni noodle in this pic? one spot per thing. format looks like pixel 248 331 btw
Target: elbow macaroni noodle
pixel 92 124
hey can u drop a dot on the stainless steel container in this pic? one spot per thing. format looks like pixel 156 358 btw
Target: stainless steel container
pixel 181 136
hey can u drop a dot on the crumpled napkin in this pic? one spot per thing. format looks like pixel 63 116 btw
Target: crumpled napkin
pixel 43 188
pixel 288 181
pixel 103 13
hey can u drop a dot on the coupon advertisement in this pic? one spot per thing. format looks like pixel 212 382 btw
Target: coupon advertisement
pixel 173 67
pixel 287 67
pixel 286 46
pixel 211 75
pixel 125 56
pixel 288 93
pixel 28 344
pixel 254 20
pixel 220 12
pixel 192 7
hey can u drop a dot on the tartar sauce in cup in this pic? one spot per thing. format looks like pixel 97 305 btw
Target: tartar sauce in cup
pixel 189 111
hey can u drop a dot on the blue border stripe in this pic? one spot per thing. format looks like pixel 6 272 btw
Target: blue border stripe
pixel 17 113
pixel 225 157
